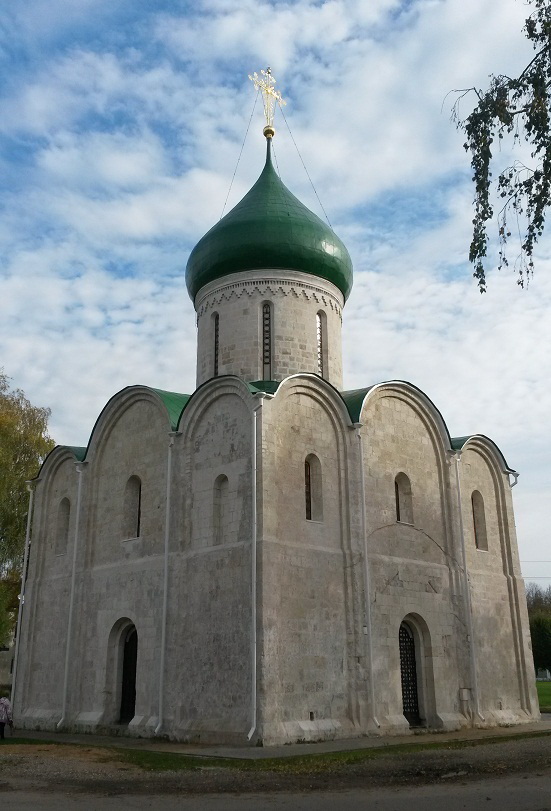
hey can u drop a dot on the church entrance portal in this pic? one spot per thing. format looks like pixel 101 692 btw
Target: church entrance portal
pixel 128 687
pixel 408 670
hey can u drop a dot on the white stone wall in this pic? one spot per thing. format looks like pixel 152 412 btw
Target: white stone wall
pixel 314 675
pixel 119 577
pixel 44 628
pixel 506 682
pixel 209 631
pixel 308 649
pixel 295 297
pixel 133 442
pixel 119 581
pixel 411 564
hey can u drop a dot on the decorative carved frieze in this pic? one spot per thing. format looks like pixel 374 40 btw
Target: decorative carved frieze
pixel 269 287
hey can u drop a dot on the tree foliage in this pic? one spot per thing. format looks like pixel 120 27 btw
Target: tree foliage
pixel 540 632
pixel 24 443
pixel 538 600
pixel 518 108
pixel 9 605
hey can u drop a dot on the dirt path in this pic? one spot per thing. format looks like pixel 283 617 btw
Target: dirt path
pixel 514 793
pixel 74 770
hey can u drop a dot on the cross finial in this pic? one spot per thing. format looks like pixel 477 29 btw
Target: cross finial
pixel 265 83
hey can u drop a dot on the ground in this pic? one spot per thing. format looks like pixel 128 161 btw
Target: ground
pixel 544 694
pixel 79 771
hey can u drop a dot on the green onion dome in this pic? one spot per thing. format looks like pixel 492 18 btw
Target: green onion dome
pixel 269 228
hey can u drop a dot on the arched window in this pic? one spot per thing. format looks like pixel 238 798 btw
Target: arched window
pixel 220 509
pixel 479 521
pixel 321 340
pixel 62 526
pixel 267 317
pixel 216 348
pixel 132 508
pixel 313 490
pixel 404 501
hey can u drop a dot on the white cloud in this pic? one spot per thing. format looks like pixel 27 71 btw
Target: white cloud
pixel 121 143
pixel 102 159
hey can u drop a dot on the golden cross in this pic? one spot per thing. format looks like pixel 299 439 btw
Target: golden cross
pixel 265 83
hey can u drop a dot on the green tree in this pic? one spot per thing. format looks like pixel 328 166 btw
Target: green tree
pixel 538 599
pixel 540 631
pixel 9 604
pixel 518 108
pixel 24 443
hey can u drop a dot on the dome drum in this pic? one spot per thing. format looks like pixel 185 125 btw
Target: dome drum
pixel 266 325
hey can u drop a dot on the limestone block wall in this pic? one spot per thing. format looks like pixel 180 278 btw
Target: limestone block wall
pixel 44 619
pixel 296 299
pixel 120 569
pixel 118 579
pixel 412 562
pixel 308 572
pixel 133 443
pixel 506 683
pixel 208 677
pixel 314 624
pixel 517 597
pixel 108 603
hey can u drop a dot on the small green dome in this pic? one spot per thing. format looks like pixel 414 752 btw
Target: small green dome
pixel 269 228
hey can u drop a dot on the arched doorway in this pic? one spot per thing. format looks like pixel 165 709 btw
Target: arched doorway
pixel 408 672
pixel 128 684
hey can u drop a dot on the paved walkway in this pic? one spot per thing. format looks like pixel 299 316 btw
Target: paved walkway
pixel 290 750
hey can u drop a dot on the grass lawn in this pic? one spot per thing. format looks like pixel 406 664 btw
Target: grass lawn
pixel 293 764
pixel 544 694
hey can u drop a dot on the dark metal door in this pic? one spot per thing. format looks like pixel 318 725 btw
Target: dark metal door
pixel 128 692
pixel 408 669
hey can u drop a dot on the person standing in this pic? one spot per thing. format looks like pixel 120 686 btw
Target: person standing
pixel 5 716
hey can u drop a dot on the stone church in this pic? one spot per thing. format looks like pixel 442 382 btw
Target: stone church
pixel 271 558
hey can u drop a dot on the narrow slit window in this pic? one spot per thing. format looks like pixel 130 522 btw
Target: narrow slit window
pixel 132 508
pixel 319 331
pixel 266 341
pixel 221 510
pixel 397 496
pixel 216 319
pixel 404 499
pixel 139 511
pixel 62 526
pixel 313 490
pixel 479 521
pixel 308 489
pixel 321 341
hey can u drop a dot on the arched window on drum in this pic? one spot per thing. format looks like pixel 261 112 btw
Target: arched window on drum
pixel 321 343
pixel 267 347
pixel 216 343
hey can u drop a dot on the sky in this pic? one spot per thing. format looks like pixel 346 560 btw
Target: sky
pixel 121 125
